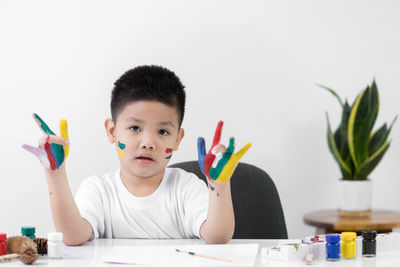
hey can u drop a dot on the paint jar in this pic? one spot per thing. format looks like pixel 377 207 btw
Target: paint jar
pixel 28 231
pixel 332 247
pixel 3 244
pixel 55 245
pixel 349 248
pixel 369 243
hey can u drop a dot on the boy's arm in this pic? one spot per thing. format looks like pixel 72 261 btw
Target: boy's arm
pixel 52 152
pixel 66 216
pixel 219 226
pixel 220 223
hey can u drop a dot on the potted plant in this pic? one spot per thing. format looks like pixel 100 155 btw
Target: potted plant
pixel 358 149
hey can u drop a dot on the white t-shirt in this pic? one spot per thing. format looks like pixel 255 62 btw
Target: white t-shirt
pixel 176 209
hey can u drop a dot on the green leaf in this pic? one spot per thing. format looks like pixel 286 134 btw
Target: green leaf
pixel 333 92
pixel 361 121
pixel 341 132
pixel 345 169
pixel 379 137
pixel 369 165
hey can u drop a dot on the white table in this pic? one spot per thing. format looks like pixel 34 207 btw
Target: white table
pixel 90 254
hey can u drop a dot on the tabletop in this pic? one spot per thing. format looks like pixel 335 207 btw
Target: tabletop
pixel 90 254
pixel 330 221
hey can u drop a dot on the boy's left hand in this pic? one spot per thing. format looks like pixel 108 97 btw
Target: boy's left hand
pixel 222 169
pixel 52 150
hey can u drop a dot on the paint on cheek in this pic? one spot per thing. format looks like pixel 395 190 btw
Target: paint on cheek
pixel 121 146
pixel 168 150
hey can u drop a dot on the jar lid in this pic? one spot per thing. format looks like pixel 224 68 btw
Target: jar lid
pixel 27 230
pixel 332 238
pixel 368 234
pixel 3 237
pixel 349 236
pixel 56 236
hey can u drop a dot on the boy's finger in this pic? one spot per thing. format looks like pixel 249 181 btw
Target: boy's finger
pixel 64 134
pixel 45 128
pixel 210 157
pixel 34 150
pixel 217 134
pixel 232 163
pixel 215 172
pixel 201 152
pixel 231 146
pixel 40 153
pixel 242 151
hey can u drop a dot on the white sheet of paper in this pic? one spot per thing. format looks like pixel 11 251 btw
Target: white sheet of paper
pixel 240 254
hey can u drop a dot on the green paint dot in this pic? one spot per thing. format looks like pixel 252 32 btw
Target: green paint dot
pixel 121 145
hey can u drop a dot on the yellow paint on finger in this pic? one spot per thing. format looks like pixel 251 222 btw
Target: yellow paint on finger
pixel 64 134
pixel 230 166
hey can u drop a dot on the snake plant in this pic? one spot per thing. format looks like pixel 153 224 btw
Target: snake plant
pixel 356 148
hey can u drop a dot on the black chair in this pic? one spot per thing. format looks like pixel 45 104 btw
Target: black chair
pixel 256 203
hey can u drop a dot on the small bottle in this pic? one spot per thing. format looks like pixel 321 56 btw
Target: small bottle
pixel 55 245
pixel 3 244
pixel 28 231
pixel 349 249
pixel 332 247
pixel 369 243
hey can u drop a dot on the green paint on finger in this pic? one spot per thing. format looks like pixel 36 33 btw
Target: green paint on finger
pixel 43 125
pixel 121 145
pixel 215 172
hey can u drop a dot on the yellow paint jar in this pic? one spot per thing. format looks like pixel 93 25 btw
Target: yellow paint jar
pixel 348 248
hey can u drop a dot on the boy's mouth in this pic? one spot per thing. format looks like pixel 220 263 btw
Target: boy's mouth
pixel 144 158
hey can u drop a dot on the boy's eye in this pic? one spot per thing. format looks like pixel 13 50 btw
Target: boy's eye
pixel 163 132
pixel 135 128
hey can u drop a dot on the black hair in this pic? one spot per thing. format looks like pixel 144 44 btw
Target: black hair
pixel 153 83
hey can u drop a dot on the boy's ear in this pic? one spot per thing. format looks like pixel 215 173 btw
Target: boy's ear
pixel 110 129
pixel 181 134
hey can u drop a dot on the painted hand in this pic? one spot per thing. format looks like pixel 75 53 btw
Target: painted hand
pixel 219 169
pixel 52 150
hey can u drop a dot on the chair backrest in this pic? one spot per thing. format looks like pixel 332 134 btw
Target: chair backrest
pixel 256 203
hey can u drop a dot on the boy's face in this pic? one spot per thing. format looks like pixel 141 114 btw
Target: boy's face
pixel 146 134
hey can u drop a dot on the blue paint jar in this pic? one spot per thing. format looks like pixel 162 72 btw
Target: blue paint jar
pixel 332 247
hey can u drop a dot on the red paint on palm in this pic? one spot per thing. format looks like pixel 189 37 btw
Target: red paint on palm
pixel 210 157
pixel 50 157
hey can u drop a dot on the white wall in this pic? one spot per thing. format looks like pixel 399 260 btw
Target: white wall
pixel 253 64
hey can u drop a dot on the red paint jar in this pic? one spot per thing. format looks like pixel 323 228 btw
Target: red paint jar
pixel 3 244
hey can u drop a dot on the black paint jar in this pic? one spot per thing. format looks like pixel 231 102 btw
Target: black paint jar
pixel 369 243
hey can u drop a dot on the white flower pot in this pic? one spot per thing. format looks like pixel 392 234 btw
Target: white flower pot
pixel 355 197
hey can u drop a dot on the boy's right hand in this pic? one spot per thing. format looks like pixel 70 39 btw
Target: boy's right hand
pixel 52 150
pixel 226 164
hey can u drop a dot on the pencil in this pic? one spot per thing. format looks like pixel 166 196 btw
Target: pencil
pixel 202 255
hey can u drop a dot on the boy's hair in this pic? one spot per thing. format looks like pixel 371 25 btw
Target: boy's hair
pixel 152 83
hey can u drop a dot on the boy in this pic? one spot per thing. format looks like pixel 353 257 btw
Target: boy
pixel 143 199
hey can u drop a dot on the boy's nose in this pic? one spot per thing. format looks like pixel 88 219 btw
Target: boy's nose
pixel 148 146
pixel 147 143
